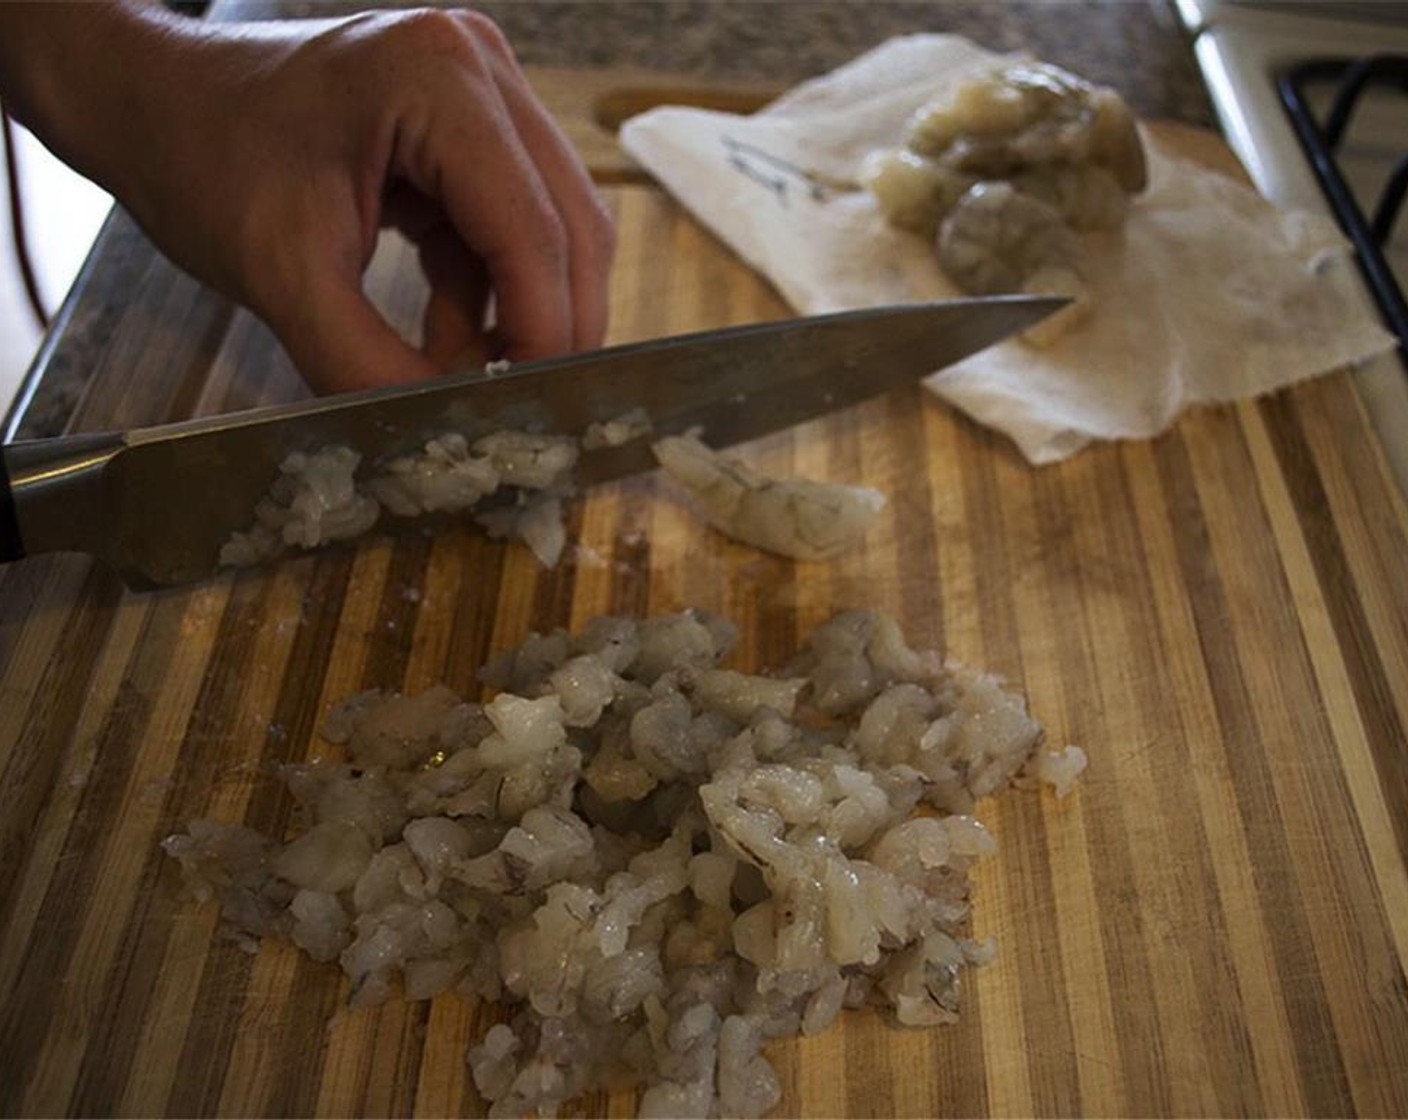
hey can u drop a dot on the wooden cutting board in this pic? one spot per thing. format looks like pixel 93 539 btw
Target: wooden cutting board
pixel 1215 923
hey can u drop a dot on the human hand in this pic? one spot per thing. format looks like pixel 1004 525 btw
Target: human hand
pixel 265 158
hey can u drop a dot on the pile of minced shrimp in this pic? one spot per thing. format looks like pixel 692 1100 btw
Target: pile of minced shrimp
pixel 657 864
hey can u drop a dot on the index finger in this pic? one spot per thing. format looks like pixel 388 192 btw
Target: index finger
pixel 472 159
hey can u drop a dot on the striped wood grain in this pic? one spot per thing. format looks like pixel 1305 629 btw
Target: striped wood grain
pixel 1215 924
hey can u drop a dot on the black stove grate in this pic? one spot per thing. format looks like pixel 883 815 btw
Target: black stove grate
pixel 1350 78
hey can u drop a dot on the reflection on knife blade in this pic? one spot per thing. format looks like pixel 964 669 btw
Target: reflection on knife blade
pixel 513 484
pixel 317 500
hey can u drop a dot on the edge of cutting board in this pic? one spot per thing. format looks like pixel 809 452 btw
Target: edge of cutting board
pixel 591 105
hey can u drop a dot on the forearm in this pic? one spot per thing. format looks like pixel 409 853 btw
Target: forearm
pixel 75 74
pixel 109 86
pixel 145 102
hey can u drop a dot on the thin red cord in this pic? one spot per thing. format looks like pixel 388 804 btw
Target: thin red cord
pixel 17 227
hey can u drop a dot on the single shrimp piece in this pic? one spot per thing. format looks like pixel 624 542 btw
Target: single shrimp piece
pixel 796 517
pixel 1086 196
pixel 914 193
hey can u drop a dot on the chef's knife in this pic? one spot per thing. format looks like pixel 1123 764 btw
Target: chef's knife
pixel 156 504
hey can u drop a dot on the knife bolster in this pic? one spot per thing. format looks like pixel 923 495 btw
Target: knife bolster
pixel 55 499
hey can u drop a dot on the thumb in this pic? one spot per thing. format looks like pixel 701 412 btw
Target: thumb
pixel 340 342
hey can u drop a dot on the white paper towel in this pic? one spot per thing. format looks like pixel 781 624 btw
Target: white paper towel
pixel 1209 293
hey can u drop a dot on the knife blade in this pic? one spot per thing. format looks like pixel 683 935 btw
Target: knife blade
pixel 156 504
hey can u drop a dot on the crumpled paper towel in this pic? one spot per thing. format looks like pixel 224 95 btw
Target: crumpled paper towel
pixel 1208 294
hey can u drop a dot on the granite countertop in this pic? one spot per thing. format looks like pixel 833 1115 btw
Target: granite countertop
pixel 1137 46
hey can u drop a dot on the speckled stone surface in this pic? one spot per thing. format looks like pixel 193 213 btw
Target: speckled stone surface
pixel 1137 46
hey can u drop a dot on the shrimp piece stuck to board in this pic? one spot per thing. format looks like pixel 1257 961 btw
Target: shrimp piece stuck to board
pixel 796 517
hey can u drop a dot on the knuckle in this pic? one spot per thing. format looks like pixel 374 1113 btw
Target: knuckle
pixel 432 31
pixel 549 238
pixel 599 233
pixel 486 33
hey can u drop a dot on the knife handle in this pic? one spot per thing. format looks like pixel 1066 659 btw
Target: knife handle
pixel 11 546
